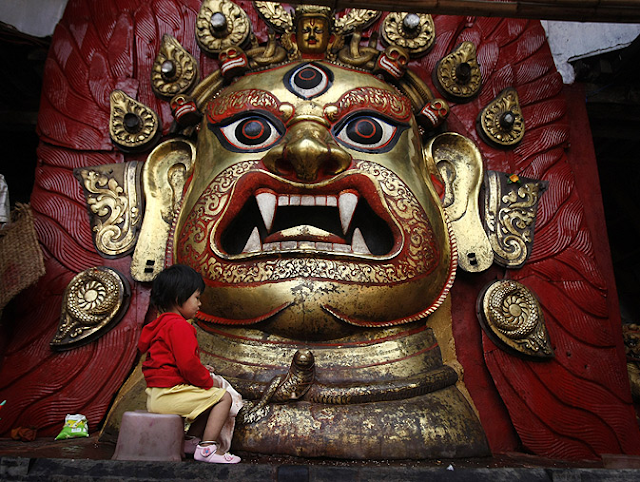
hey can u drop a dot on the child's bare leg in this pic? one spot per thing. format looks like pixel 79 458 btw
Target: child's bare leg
pixel 206 452
pixel 217 417
pixel 198 425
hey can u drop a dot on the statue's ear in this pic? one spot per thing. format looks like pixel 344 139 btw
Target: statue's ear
pixel 163 179
pixel 459 163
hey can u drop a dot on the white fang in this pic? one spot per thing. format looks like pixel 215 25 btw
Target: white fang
pixel 267 205
pixel 253 243
pixel 357 243
pixel 347 203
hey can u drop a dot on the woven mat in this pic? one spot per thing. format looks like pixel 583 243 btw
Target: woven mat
pixel 21 262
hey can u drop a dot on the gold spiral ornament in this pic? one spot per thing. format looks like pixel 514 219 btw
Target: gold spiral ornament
pixel 93 302
pixel 512 318
pixel 94 295
pixel 513 311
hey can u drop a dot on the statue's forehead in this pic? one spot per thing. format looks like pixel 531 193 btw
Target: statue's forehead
pixel 275 82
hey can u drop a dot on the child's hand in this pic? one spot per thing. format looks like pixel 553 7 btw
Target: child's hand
pixel 210 368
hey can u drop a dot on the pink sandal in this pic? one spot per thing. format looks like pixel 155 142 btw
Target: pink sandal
pixel 208 453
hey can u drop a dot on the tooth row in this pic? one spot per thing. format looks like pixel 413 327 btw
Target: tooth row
pixel 346 203
pixel 306 200
pixel 358 246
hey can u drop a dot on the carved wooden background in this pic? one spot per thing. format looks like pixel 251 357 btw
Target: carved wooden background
pixel 575 406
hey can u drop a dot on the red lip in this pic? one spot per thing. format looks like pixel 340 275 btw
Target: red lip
pixel 269 215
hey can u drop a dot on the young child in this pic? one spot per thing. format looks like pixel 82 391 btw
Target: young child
pixel 177 381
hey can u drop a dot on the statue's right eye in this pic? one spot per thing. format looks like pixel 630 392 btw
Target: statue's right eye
pixel 368 132
pixel 250 133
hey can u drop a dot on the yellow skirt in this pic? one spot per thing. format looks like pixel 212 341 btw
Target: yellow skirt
pixel 185 400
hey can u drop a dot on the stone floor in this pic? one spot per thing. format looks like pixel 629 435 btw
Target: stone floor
pixel 87 459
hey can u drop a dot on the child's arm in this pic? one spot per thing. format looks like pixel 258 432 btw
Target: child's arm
pixel 186 352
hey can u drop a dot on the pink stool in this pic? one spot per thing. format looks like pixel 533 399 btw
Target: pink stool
pixel 150 436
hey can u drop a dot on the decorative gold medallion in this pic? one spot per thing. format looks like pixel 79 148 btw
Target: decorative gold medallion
pixel 460 164
pixel 93 302
pixel 174 71
pixel 501 122
pixel 221 24
pixel 510 207
pixel 512 317
pixel 165 172
pixel 132 125
pixel 458 74
pixel 112 194
pixel 414 32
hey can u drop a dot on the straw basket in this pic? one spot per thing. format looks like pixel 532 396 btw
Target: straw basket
pixel 21 262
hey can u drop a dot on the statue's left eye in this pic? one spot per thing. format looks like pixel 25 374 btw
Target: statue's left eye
pixel 368 133
pixel 252 133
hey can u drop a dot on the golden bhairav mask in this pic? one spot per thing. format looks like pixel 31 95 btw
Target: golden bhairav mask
pixel 312 210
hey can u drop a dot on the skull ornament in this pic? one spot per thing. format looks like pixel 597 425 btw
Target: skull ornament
pixel 433 114
pixel 233 62
pixel 392 62
pixel 184 110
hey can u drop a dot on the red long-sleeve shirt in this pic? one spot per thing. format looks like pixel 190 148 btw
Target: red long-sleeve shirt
pixel 173 354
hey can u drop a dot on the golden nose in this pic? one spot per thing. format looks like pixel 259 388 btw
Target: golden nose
pixel 307 151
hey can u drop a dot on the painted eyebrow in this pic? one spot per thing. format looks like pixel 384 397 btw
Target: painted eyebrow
pixel 370 98
pixel 225 106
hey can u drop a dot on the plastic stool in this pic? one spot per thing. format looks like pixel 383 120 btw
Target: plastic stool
pixel 150 436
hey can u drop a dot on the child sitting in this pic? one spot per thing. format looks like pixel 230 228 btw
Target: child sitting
pixel 177 381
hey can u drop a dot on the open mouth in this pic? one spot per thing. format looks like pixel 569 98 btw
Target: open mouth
pixel 345 218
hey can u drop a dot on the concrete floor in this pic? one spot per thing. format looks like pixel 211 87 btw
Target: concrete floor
pixel 87 459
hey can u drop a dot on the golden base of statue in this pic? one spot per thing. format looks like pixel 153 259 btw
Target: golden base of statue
pixel 436 425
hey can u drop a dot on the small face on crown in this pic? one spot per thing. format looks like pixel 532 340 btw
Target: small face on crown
pixel 313 29
pixel 313 35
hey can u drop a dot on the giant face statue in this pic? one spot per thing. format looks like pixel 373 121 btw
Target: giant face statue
pixel 311 208
pixel 314 218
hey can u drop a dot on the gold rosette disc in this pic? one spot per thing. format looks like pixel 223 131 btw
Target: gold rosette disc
pixel 93 302
pixel 512 318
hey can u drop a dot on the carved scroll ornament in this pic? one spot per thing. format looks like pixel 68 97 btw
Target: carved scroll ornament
pixel 510 207
pixel 114 200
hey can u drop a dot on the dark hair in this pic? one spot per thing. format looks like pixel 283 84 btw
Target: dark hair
pixel 175 285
